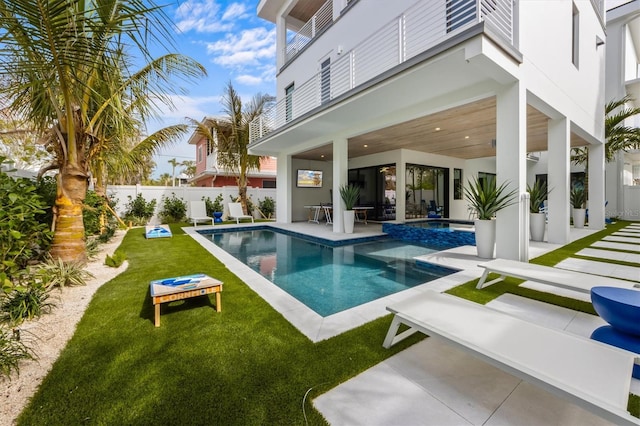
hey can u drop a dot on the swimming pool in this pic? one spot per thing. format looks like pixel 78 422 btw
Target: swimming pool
pixel 439 234
pixel 330 279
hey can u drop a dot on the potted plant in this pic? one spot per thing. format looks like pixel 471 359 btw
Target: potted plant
pixel 218 209
pixel 349 194
pixel 578 198
pixel 486 198
pixel 537 194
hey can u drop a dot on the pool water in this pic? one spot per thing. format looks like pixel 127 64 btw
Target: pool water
pixel 330 279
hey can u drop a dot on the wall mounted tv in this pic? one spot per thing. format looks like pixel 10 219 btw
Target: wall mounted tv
pixel 309 178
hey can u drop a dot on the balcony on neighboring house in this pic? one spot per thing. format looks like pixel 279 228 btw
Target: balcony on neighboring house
pixel 299 36
pixel 423 26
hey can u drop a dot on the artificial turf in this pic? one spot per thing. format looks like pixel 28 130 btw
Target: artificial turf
pixel 245 365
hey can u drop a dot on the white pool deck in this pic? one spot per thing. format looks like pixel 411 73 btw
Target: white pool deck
pixel 431 383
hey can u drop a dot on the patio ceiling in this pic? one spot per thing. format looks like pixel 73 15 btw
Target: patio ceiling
pixel 464 132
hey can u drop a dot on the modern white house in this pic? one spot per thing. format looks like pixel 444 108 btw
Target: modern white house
pixel 411 99
pixel 622 177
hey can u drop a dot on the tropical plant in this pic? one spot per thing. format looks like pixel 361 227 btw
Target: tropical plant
pixel 24 302
pixel 537 195
pixel 138 210
pixel 487 198
pixel 66 66
pixel 12 351
pixel 350 195
pixel 232 136
pixel 174 209
pixel 116 260
pixel 216 205
pixel 578 197
pixel 267 207
pixel 22 236
pixel 57 273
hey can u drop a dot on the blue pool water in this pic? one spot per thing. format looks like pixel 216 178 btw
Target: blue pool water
pixel 330 279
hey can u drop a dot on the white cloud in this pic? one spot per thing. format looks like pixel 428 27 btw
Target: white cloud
pixel 246 49
pixel 235 11
pixel 249 80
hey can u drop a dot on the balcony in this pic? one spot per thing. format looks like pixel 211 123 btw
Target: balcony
pixel 320 19
pixel 418 29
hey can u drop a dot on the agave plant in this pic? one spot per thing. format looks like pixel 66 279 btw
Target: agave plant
pixel 578 198
pixel 487 198
pixel 537 194
pixel 349 194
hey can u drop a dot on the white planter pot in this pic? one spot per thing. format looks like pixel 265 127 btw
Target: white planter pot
pixel 537 226
pixel 485 238
pixel 578 218
pixel 349 219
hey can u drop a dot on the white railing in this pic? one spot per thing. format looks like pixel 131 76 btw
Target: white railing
pixel 322 18
pixel 419 28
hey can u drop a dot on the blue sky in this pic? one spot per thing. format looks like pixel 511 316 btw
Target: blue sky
pixel 233 44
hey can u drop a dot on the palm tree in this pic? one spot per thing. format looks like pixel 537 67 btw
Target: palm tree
pixel 66 66
pixel 233 135
pixel 189 168
pixel 618 137
pixel 174 163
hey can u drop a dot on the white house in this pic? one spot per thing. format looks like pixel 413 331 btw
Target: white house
pixel 410 99
pixel 623 78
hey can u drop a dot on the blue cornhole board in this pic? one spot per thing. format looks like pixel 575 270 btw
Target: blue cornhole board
pixel 157 231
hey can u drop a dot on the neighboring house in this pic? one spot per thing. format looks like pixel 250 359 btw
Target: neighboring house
pixel 623 78
pixel 210 173
pixel 434 93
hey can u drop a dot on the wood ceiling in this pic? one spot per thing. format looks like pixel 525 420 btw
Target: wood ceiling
pixel 464 132
pixel 304 10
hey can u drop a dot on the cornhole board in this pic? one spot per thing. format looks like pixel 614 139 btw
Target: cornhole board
pixel 157 231
pixel 177 288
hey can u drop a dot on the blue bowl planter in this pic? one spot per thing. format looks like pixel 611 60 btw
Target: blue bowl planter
pixel 620 307
pixel 217 217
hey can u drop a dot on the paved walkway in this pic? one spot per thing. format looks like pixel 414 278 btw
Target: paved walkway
pixel 432 383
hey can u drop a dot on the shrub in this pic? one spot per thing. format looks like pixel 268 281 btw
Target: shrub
pixel 56 273
pixel 116 260
pixel 12 351
pixel 94 208
pixel 139 211
pixel 267 207
pixel 215 205
pixel 22 236
pixel 24 301
pixel 174 209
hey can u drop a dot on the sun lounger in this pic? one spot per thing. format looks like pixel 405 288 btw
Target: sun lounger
pixel 198 213
pixel 571 280
pixel 235 211
pixel 588 373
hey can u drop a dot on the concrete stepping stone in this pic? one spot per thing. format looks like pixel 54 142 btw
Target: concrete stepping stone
pixel 601 268
pixel 619 246
pixel 608 254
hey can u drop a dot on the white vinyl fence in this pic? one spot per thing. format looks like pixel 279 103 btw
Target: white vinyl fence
pixel 121 194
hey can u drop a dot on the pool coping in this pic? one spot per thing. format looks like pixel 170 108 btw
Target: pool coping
pixel 307 321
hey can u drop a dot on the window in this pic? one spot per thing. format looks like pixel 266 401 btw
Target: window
pixel 268 183
pixel 482 176
pixel 200 154
pixel 288 96
pixel 457 184
pixel 459 13
pixel 575 36
pixel 325 81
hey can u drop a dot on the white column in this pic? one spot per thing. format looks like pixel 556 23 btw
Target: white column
pixel 401 188
pixel 596 186
pixel 340 178
pixel 281 40
pixel 511 167
pixel 284 182
pixel 558 172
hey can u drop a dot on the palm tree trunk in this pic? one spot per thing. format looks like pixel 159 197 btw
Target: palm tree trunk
pixel 69 240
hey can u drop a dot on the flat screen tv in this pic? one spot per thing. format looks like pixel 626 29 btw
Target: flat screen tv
pixel 309 178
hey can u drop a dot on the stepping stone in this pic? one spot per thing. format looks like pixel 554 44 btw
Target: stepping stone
pixel 601 268
pixel 608 254
pixel 627 234
pixel 619 246
pixel 616 239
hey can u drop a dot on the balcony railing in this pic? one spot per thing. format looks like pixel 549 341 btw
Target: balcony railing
pixel 322 18
pixel 419 28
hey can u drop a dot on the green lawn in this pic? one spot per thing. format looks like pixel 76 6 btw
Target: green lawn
pixel 244 365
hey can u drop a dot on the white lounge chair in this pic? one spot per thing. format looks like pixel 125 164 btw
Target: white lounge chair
pixel 570 280
pixel 198 213
pixel 235 211
pixel 591 374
